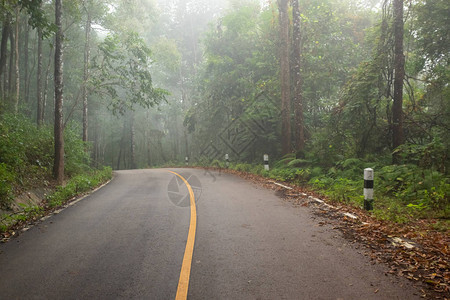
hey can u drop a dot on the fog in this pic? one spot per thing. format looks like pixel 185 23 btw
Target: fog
pixel 151 82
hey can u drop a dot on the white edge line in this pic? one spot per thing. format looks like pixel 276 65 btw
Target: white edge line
pixel 396 241
pixel 317 200
pixel 279 184
pixel 350 215
pixel 44 218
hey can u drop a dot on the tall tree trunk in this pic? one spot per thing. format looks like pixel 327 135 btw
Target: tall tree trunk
pixel 96 149
pixel 186 142
pixel 16 61
pixel 58 167
pixel 87 52
pixel 284 77
pixel 298 98
pixel 161 149
pixel 40 108
pixel 45 90
pixel 399 65
pixel 132 142
pixel 122 143
pixel 11 63
pixel 184 98
pixel 147 140
pixel 176 144
pixel 26 61
pixel 119 157
pixel 3 53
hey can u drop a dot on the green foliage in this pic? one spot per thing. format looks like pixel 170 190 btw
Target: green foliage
pixel 78 185
pixel 122 72
pixel 37 16
pixel 26 155
pixel 76 157
pixel 295 175
pixel 433 155
pixel 402 192
pixel 242 167
pixel 6 185
pixel 432 24
pixel 218 164
pixel 26 212
pixel 414 186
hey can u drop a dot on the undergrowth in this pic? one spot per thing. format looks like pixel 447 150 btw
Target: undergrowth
pixel 26 161
pixel 415 190
pixel 26 155
pixel 74 187
pixel 78 185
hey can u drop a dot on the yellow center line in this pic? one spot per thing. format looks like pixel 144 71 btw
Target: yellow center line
pixel 183 282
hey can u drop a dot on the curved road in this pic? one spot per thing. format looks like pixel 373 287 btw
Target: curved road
pixel 128 240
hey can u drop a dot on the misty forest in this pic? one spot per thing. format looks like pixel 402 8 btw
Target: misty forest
pixel 325 88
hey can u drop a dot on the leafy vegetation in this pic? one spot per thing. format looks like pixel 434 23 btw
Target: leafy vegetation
pixel 26 156
pixel 77 185
pixel 403 193
pixel 146 85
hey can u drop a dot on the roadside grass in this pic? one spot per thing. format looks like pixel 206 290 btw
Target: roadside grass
pixel 78 185
pixel 26 156
pixel 26 162
pixel 28 212
pixel 403 193
pixel 75 187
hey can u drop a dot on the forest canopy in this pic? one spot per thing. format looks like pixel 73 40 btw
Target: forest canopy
pixel 320 86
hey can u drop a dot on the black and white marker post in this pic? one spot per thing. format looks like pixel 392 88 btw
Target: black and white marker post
pixel 186 160
pixel 266 162
pixel 227 160
pixel 368 189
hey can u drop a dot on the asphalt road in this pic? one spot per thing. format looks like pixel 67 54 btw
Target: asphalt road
pixel 128 240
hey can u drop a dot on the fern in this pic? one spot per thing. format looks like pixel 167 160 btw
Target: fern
pixel 298 162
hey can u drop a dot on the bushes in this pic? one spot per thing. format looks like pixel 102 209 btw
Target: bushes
pixel 26 155
pixel 23 144
pixel 408 190
pixel 295 175
pixel 76 158
pixel 402 192
pixel 433 155
pixel 6 184
pixel 26 160
pixel 78 185
pixel 418 188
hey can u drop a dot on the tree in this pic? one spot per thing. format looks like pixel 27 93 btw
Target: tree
pixel 58 166
pixel 6 28
pixel 123 73
pixel 87 58
pixel 284 77
pixel 298 99
pixel 122 76
pixel 39 94
pixel 16 63
pixel 399 65
pixel 36 18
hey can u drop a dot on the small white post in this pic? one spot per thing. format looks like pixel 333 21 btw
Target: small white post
pixel 266 162
pixel 186 160
pixel 368 189
pixel 227 160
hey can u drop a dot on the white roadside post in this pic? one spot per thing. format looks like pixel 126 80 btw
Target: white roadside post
pixel 186 160
pixel 266 162
pixel 368 189
pixel 227 160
